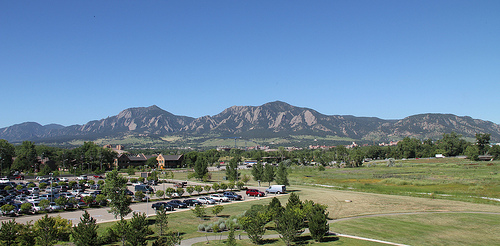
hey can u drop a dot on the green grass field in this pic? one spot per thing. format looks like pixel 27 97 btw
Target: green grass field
pixel 450 178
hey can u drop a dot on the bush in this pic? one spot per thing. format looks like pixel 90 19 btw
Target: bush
pixel 201 227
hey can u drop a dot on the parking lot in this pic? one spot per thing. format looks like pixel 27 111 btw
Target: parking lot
pixel 101 214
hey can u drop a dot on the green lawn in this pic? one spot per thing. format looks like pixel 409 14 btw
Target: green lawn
pixel 427 229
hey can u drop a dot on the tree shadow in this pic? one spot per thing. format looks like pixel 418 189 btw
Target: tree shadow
pixel 269 241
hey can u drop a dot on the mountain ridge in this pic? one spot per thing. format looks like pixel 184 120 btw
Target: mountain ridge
pixel 273 119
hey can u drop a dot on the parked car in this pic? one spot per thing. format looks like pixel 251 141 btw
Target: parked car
pixel 232 196
pixel 192 202
pixel 180 184
pixel 81 205
pixel 146 189
pixel 276 189
pixel 219 198
pixel 82 177
pixel 69 205
pixel 32 198
pixel 164 205
pixel 34 190
pixel 206 200
pixel 54 207
pixel 177 204
pixel 35 207
pixel 255 192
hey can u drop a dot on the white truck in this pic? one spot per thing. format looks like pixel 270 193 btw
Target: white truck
pixel 276 189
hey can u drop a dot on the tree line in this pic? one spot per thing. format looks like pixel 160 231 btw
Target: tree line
pixel 27 157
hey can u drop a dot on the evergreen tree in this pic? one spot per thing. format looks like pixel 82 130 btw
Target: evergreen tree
pixel 139 230
pixel 26 234
pixel 162 220
pixel 289 224
pixel 253 222
pixel 318 222
pixel 269 174
pixel 7 152
pixel 231 240
pixel 294 201
pixel 274 209
pixel 8 232
pixel 257 172
pixel 45 231
pixel 85 233
pixel 232 169
pixel 282 174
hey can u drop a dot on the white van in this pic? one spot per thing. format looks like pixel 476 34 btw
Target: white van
pixel 276 189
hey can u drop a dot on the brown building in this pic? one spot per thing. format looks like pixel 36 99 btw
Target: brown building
pixel 169 161
pixel 124 160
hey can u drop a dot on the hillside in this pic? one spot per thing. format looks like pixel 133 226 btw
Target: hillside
pixel 270 120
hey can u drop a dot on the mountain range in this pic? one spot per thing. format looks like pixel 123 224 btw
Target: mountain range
pixel 270 120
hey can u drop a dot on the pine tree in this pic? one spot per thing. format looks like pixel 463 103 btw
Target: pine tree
pixel 162 220
pixel 282 174
pixel 85 233
pixel 318 222
pixel 269 174
pixel 8 232
pixel 139 230
pixel 231 241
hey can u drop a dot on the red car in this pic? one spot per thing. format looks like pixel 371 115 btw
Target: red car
pixel 255 192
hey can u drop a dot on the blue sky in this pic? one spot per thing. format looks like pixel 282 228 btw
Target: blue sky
pixel 69 62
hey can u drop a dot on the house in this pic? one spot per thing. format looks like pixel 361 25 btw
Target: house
pixel 169 161
pixel 124 160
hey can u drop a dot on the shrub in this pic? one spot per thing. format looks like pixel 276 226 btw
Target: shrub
pixel 201 227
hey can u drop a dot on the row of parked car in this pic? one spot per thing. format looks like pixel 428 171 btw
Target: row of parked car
pixel 212 199
pixel 33 195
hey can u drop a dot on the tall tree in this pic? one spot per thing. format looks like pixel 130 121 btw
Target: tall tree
pixel 269 174
pixel 232 169
pixel 7 152
pixel 139 230
pixel 115 188
pixel 85 233
pixel 318 222
pixel 46 231
pixel 162 220
pixel 451 144
pixel 483 142
pixel 200 168
pixel 258 172
pixel 8 232
pixel 26 157
pixel 253 222
pixel 282 174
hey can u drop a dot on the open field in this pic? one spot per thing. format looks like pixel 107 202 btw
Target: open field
pixel 448 178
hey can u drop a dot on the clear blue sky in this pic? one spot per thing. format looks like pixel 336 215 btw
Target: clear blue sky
pixel 69 62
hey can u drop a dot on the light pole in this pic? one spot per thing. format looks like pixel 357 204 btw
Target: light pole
pixel 51 188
